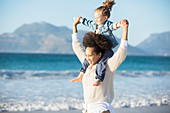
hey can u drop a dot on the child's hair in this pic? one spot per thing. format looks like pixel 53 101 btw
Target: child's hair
pixel 106 7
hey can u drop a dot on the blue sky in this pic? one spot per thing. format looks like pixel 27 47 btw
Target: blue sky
pixel 145 16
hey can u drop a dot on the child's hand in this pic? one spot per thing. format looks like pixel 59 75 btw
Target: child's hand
pixel 118 25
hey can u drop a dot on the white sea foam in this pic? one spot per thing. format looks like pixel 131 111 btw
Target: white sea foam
pixel 77 104
pixel 140 102
pixel 20 74
pixel 71 103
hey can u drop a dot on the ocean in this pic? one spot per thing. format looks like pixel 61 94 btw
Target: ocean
pixel 40 82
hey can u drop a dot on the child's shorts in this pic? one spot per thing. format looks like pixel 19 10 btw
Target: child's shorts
pixel 98 107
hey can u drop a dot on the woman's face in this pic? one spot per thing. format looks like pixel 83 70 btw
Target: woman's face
pixel 91 56
pixel 99 18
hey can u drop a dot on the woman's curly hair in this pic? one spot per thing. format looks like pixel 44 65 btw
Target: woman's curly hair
pixel 99 42
pixel 106 7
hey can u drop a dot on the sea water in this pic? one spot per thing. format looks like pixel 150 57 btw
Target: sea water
pixel 40 82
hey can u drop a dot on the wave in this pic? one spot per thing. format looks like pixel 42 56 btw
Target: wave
pixel 20 74
pixel 11 74
pixel 143 73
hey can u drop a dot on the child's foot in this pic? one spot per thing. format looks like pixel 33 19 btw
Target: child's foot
pixel 97 82
pixel 78 79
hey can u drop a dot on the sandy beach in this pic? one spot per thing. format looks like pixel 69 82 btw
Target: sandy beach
pixel 153 109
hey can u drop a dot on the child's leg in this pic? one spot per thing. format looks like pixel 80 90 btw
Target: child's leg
pixel 101 66
pixel 84 66
pixel 82 71
pixel 107 54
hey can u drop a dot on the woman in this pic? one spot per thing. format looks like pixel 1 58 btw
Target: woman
pixel 98 98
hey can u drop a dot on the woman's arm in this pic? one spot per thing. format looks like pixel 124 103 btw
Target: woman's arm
pixel 124 24
pixel 76 22
pixel 78 49
pixel 120 54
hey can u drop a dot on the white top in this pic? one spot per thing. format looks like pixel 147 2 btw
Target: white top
pixel 104 92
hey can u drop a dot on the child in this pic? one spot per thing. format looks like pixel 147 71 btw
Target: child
pixel 101 26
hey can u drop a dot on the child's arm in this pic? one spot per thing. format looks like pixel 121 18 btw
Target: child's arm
pixel 86 22
pixel 114 26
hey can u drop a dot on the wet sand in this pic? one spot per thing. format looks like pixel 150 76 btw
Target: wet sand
pixel 152 109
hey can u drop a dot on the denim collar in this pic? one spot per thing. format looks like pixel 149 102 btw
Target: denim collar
pixel 99 26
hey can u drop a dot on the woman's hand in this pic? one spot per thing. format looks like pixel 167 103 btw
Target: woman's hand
pixel 124 24
pixel 77 21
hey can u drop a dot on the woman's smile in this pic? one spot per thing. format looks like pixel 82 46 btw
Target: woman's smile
pixel 91 56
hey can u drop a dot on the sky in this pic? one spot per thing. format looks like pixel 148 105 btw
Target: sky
pixel 145 16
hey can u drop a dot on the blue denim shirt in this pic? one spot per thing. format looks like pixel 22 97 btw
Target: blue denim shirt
pixel 105 29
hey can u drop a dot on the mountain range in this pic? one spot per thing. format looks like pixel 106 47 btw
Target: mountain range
pixel 47 38
pixel 157 44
